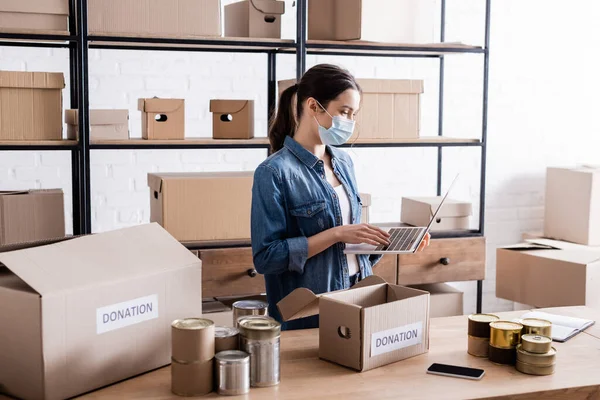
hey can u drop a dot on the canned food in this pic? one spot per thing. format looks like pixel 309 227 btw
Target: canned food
pixel 502 356
pixel 536 344
pixel 232 371
pixel 477 346
pixel 534 369
pixel 192 379
pixel 505 334
pixel 192 339
pixel 535 326
pixel 248 307
pixel 541 360
pixel 479 324
pixel 259 336
pixel 226 338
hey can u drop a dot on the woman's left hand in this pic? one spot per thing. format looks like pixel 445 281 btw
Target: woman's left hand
pixel 424 242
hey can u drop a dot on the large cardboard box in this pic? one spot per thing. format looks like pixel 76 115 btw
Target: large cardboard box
pixel 259 19
pixel 573 205
pixel 548 273
pixel 202 206
pixel 162 119
pixel 444 300
pixel 232 119
pixel 155 18
pixel 87 312
pixel 373 324
pixel 34 15
pixel 31 215
pixel 454 215
pixel 399 21
pixel 31 105
pixel 104 124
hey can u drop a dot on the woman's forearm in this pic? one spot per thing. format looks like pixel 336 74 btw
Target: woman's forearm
pixel 322 241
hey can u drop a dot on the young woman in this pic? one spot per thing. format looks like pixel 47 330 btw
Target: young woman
pixel 305 202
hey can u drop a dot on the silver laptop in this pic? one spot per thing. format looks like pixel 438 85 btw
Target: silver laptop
pixel 402 239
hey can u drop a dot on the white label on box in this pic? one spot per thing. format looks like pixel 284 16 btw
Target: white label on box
pixel 128 313
pixel 396 338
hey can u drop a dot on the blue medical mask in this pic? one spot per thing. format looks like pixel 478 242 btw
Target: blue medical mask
pixel 340 132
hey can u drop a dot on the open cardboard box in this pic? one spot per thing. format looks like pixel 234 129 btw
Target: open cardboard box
pixel 372 324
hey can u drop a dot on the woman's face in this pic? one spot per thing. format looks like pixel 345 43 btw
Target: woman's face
pixel 345 105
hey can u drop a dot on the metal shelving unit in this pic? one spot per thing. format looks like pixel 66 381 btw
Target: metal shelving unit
pixel 78 41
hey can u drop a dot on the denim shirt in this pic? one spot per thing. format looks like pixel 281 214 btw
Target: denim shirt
pixel 291 201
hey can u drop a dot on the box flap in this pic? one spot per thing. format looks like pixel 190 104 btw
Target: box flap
pixel 548 249
pixel 156 105
pixel 408 86
pixel 268 6
pixel 99 117
pixel 13 192
pixel 37 80
pixel 98 259
pixel 60 7
pixel 451 208
pixel 155 182
pixel 561 245
pixel 228 106
pixel 203 175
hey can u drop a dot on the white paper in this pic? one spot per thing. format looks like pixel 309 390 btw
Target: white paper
pixel 117 316
pixel 396 338
pixel 562 327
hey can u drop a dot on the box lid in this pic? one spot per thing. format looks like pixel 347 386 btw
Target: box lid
pixel 155 180
pixel 228 106
pixel 60 7
pixel 268 6
pixel 99 117
pixel 408 86
pixel 37 80
pixel 30 191
pixel 303 302
pixel 451 208
pixel 97 259
pixel 558 250
pixel 160 105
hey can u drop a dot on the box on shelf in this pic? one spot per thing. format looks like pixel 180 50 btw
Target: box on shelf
pixel 256 19
pixel 155 18
pixel 104 124
pixel 444 300
pixel 454 215
pixel 113 295
pixel 217 312
pixel 370 325
pixel 397 21
pixel 548 273
pixel 162 119
pixel 366 205
pixel 573 205
pixel 47 16
pixel 31 215
pixel 233 119
pixel 202 206
pixel 31 105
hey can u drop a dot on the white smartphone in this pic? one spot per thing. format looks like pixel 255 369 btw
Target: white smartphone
pixel 455 371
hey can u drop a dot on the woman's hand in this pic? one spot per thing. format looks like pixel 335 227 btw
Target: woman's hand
pixel 424 243
pixel 362 233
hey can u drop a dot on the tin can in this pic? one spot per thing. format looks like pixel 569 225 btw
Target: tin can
pixel 226 338
pixel 505 334
pixel 537 344
pixel 502 356
pixel 535 369
pixel 232 372
pixel 479 324
pixel 259 336
pixel 192 379
pixel 536 326
pixel 540 360
pixel 248 307
pixel 478 347
pixel 192 339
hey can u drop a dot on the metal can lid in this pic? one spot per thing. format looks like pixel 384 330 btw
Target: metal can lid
pixel 232 357
pixel 192 323
pixel 225 331
pixel 250 305
pixel 506 325
pixel 259 327
pixel 483 317
pixel 536 322
pixel 536 339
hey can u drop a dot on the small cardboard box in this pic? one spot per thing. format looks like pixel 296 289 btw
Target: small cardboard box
pixel 232 119
pixel 257 19
pixel 87 312
pixel 573 205
pixel 548 273
pixel 366 205
pixel 32 215
pixel 155 18
pixel 104 124
pixel 445 300
pixel 454 215
pixel 162 119
pixel 373 324
pixel 31 105
pixel 398 21
pixel 202 206
pixel 34 15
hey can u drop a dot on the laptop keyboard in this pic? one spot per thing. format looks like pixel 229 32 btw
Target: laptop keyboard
pixel 401 239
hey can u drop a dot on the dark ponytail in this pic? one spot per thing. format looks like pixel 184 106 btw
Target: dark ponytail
pixel 323 82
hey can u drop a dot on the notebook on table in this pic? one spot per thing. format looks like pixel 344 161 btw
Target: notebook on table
pixel 563 328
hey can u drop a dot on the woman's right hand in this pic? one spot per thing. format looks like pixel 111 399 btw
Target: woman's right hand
pixel 362 233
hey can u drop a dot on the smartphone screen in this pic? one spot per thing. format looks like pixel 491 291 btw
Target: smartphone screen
pixel 456 371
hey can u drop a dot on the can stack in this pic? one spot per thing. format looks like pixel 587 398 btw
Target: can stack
pixel 260 337
pixel 505 336
pixel 479 334
pixel 245 308
pixel 535 355
pixel 226 338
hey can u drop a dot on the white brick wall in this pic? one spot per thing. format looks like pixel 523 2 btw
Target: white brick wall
pixel 542 108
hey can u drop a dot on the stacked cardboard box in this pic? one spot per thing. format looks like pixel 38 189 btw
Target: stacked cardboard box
pixel 162 119
pixel 454 215
pixel 256 19
pixel 232 119
pixel 104 124
pixel 47 16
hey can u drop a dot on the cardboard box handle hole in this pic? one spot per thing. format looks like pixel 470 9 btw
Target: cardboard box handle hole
pixel 344 332
pixel 156 195
pixel 160 118
pixel 226 118
pixel 269 19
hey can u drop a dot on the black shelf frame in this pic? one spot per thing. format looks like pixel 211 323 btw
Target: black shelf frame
pixel 79 43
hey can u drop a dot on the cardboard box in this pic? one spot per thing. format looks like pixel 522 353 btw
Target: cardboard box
pixel 162 119
pixel 31 215
pixel 202 206
pixel 444 300
pixel 370 325
pixel 573 205
pixel 87 312
pixel 232 119
pixel 454 215
pixel 104 124
pixel 366 205
pixel 399 21
pixel 34 15
pixel 548 273
pixel 31 105
pixel 259 19
pixel 155 18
